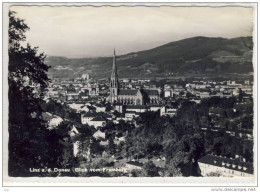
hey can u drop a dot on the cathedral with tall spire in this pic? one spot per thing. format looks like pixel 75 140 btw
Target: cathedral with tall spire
pixel 114 81
pixel 127 96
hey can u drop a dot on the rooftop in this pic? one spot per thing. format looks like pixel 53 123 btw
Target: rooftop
pixel 95 114
pixel 98 119
pixel 127 91
pixel 136 107
pixel 135 163
pixel 234 164
pixel 72 92
pixel 76 102
pixel 151 92
pixel 155 105
pixel 84 94
pixel 90 114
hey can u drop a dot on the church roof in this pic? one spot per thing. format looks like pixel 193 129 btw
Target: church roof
pixel 127 91
pixel 137 107
pixel 151 92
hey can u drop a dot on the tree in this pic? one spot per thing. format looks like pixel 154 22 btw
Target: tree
pixel 240 95
pixel 96 148
pixel 71 88
pixel 63 128
pixel 84 147
pixel 150 169
pixel 189 95
pixel 102 163
pixel 29 146
pixel 185 153
pixel 108 107
pixel 67 158
pixel 116 113
pixel 111 146
pixel 182 93
pixel 16 30
pixel 137 173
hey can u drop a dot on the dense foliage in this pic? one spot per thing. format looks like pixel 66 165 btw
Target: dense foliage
pixel 181 140
pixel 31 145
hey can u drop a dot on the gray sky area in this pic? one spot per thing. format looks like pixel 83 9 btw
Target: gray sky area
pixel 95 31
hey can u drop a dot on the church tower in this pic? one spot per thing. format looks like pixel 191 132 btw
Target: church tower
pixel 114 81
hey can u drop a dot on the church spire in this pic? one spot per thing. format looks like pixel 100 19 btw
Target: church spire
pixel 114 68
pixel 114 81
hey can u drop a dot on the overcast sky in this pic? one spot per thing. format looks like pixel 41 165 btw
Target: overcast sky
pixel 95 31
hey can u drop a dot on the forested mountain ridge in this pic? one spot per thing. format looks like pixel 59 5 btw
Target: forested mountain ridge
pixel 196 55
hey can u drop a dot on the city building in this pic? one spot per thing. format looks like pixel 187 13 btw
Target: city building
pixel 212 165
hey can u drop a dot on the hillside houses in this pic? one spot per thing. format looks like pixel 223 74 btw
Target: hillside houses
pixel 131 165
pixel 76 104
pixel 96 119
pixel 170 111
pixel 109 125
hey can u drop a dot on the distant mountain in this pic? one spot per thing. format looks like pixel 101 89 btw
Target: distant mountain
pixel 197 55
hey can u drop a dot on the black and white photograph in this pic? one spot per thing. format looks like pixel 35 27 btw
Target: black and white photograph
pixel 130 91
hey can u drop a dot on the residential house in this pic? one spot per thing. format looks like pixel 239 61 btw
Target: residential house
pixel 99 134
pixel 72 95
pixel 97 122
pixel 155 107
pixel 54 122
pixel 76 104
pixel 168 111
pixel 137 108
pixel 100 108
pixel 129 115
pixel 74 131
pixel 87 117
pixel 131 165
